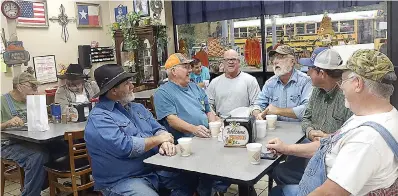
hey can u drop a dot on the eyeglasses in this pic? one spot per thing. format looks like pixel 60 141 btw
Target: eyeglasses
pixel 185 66
pixel 341 82
pixel 230 59
pixel 74 82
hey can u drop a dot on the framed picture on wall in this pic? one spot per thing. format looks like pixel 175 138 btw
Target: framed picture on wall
pixel 45 69
pixel 141 6
pixel 33 14
pixel 88 15
pixel 120 13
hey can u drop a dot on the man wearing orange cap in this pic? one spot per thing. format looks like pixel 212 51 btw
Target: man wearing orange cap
pixel 182 106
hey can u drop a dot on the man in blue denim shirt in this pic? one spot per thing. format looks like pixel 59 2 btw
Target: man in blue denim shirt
pixel 287 93
pixel 120 134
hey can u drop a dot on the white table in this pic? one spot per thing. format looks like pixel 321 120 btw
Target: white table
pixel 212 159
pixel 145 94
pixel 56 131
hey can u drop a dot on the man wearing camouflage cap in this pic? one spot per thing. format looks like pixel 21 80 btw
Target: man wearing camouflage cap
pixel 361 157
pixel 29 156
pixel 285 94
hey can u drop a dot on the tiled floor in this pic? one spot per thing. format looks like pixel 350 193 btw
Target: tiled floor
pixel 12 188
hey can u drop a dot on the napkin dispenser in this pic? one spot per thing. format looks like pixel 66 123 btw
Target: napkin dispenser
pixel 83 109
pixel 239 131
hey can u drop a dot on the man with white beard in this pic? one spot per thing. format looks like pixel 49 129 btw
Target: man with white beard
pixel 120 134
pixel 285 94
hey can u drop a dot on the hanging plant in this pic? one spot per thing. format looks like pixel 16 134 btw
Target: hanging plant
pixel 127 26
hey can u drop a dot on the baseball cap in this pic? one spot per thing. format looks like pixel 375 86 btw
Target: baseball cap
pixel 309 62
pixel 328 59
pixel 282 49
pixel 371 64
pixel 24 77
pixel 176 59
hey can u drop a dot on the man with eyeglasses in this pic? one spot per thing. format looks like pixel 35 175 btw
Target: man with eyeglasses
pixel 285 94
pixel 31 157
pixel 234 88
pixel 182 106
pixel 361 157
pixel 76 88
pixel 325 112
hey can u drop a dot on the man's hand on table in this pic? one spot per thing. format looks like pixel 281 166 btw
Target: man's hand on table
pixel 165 137
pixel 276 146
pixel 14 122
pixel 201 131
pixel 167 148
pixel 316 135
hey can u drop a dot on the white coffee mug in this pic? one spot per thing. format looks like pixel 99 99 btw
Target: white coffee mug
pixel 215 128
pixel 261 128
pixel 185 146
pixel 271 121
pixel 254 152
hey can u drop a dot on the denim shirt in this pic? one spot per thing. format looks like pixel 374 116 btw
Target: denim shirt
pixel 115 139
pixel 295 94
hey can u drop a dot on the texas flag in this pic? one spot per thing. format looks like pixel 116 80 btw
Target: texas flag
pixel 88 15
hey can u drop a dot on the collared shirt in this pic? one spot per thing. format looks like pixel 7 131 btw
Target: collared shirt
pixel 189 103
pixel 325 111
pixel 115 139
pixel 204 75
pixel 295 94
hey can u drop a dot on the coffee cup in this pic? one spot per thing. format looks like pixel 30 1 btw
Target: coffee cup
pixel 254 152
pixel 185 146
pixel 261 128
pixel 271 121
pixel 215 128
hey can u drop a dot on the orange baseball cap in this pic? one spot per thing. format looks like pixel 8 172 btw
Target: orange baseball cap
pixel 176 59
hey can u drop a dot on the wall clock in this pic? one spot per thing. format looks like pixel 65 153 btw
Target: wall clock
pixel 10 9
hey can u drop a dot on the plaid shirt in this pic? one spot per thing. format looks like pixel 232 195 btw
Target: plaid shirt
pixel 325 111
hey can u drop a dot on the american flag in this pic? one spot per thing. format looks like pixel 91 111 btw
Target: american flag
pixel 32 13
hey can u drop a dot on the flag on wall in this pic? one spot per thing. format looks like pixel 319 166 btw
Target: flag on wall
pixel 32 13
pixel 88 15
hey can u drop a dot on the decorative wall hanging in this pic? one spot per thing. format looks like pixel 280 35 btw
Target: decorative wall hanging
pixel 16 54
pixel 253 52
pixel 63 20
pixel 156 7
pixel 88 15
pixel 141 7
pixel 33 14
pixel 120 13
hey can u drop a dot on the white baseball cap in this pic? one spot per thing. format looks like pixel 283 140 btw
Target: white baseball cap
pixel 328 59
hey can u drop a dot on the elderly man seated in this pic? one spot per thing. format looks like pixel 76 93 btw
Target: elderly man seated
pixel 362 156
pixel 120 134
pixel 76 89
pixel 286 94
pixel 183 107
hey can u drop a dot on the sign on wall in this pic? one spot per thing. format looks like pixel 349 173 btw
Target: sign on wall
pixel 45 69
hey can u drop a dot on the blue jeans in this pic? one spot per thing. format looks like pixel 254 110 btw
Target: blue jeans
pixel 221 186
pixel 180 185
pixel 31 157
pixel 287 190
pixel 292 170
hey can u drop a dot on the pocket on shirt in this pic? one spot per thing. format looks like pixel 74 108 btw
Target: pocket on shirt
pixel 338 115
pixel 295 98
pixel 142 116
pixel 127 127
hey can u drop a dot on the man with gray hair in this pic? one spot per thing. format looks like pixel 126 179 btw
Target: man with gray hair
pixel 361 157
pixel 287 93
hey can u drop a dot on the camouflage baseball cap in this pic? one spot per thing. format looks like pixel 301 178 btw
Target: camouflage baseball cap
pixel 24 77
pixel 282 49
pixel 371 64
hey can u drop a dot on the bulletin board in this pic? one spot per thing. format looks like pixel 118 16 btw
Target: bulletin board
pixel 45 69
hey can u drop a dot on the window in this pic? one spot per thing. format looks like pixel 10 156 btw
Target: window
pixel 299 29
pixel 346 26
pixel 335 26
pixel 311 29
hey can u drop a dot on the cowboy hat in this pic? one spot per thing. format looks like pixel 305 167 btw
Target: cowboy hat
pixel 108 76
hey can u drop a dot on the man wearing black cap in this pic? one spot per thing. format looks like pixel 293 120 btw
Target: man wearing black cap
pixel 120 134
pixel 76 89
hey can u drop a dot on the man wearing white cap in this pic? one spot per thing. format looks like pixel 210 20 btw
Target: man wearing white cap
pixel 325 111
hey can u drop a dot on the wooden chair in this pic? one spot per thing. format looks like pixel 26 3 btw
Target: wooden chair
pixel 11 170
pixel 72 166
pixel 152 107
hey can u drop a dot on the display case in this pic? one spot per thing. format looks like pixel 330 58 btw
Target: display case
pixel 147 59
